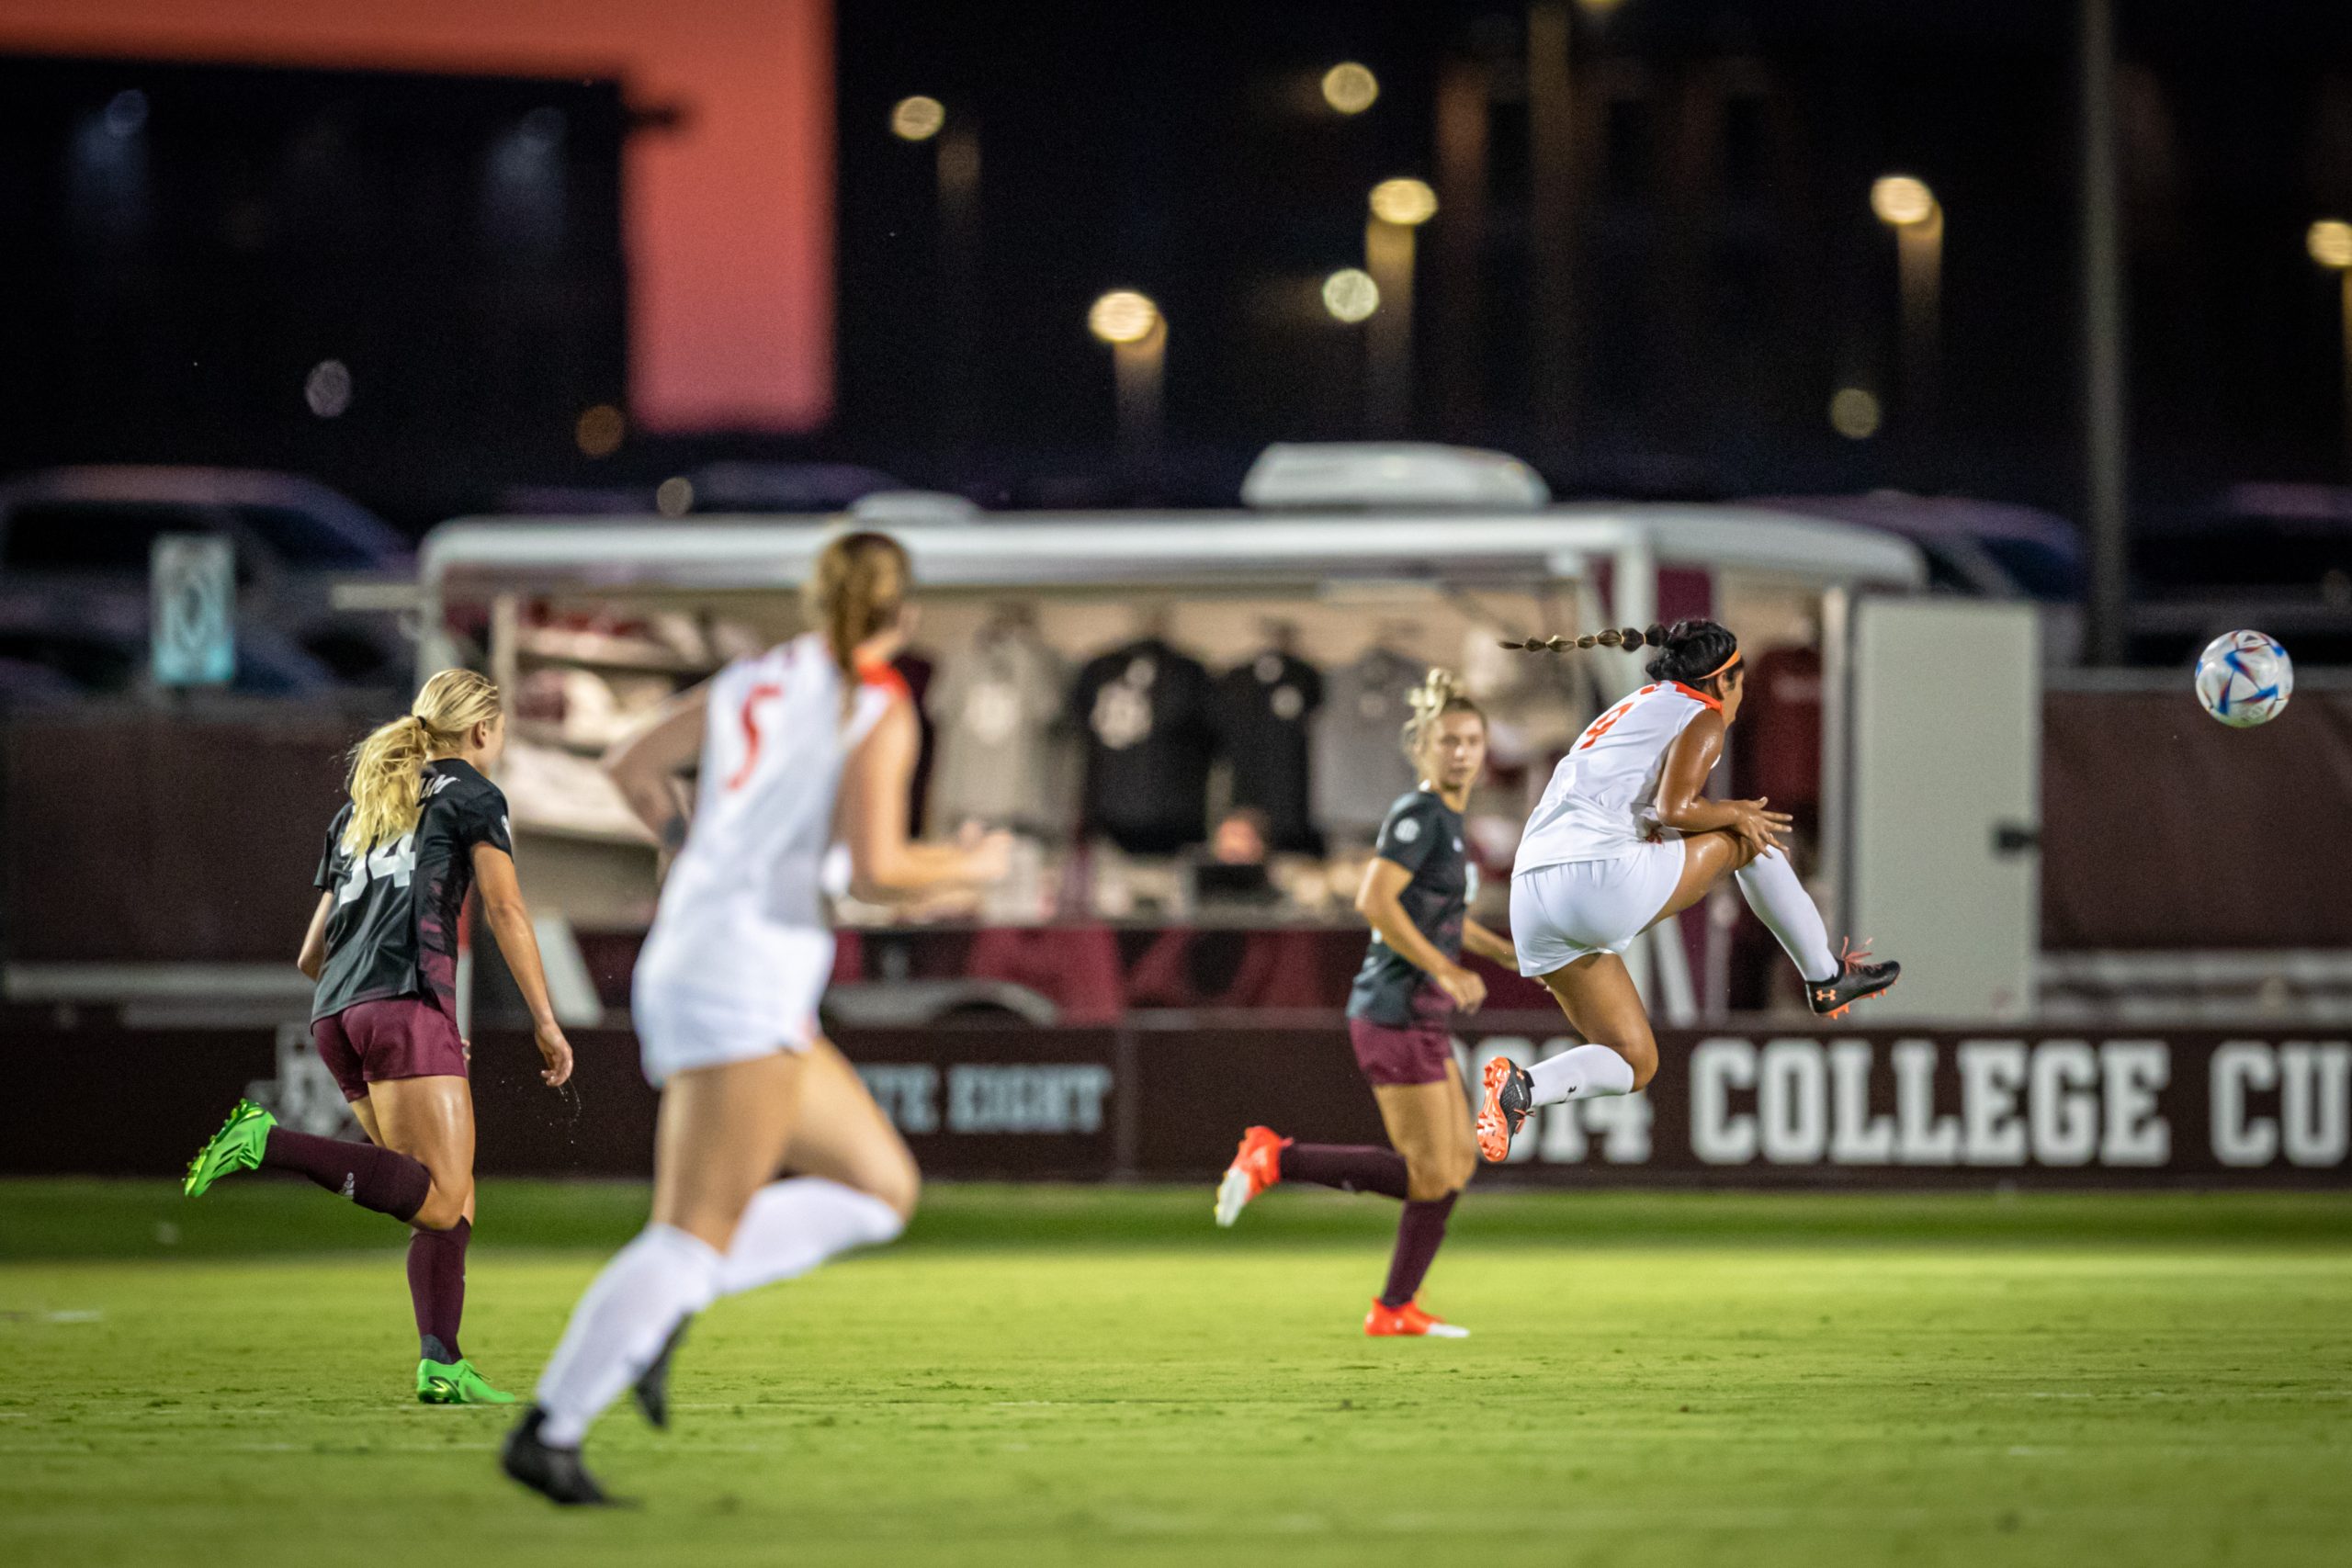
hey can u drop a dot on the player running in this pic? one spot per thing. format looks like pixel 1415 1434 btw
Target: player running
pixel 1624 837
pixel 423 827
pixel 812 740
pixel 1416 893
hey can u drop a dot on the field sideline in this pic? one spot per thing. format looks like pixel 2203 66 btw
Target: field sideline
pixel 1083 1376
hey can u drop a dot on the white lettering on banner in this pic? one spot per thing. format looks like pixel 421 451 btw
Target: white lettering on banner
pixel 1856 1137
pixel 2312 1100
pixel 2241 1140
pixel 2133 1071
pixel 1922 1137
pixel 1718 1067
pixel 908 1093
pixel 1791 1102
pixel 1057 1099
pixel 1992 1074
pixel 2063 1110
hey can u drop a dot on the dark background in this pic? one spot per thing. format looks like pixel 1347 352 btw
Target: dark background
pixel 1725 273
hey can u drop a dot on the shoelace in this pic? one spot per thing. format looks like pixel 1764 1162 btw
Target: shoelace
pixel 1849 957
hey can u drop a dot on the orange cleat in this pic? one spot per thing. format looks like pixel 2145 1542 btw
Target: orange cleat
pixel 1257 1165
pixel 1509 1092
pixel 1385 1322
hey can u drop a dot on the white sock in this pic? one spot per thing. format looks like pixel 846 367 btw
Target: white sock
pixel 1581 1072
pixel 789 1227
pixel 650 1286
pixel 1769 884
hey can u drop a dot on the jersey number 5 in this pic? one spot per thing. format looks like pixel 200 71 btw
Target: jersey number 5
pixel 395 862
pixel 757 695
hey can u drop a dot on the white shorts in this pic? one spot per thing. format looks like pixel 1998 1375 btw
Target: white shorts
pixel 704 1010
pixel 1560 913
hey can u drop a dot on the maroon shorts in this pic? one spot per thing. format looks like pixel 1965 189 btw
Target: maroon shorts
pixel 403 1037
pixel 1417 1054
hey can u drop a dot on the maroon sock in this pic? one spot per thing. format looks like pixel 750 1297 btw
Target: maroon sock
pixel 437 1285
pixel 372 1178
pixel 1418 1231
pixel 1351 1168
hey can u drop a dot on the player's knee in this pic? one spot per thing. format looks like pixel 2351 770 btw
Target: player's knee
pixel 1428 1174
pixel 442 1210
pixel 1643 1056
pixel 896 1181
pixel 1465 1165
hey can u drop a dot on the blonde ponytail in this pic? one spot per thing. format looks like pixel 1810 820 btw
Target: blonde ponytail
pixel 856 589
pixel 1440 693
pixel 387 768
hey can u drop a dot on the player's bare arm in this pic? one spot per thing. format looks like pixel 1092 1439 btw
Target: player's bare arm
pixel 886 866
pixel 645 764
pixel 510 921
pixel 1489 945
pixel 312 960
pixel 1682 803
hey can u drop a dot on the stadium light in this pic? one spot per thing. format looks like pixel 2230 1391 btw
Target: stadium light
pixel 1351 294
pixel 918 118
pixel 1408 203
pixel 1902 200
pixel 1123 316
pixel 2330 243
pixel 1854 414
pixel 1349 88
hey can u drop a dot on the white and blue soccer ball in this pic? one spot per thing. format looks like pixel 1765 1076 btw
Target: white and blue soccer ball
pixel 2245 679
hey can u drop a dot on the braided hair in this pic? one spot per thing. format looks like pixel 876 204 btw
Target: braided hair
pixel 1692 649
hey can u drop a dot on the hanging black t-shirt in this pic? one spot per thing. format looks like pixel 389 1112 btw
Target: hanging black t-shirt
pixel 1145 713
pixel 1263 708
pixel 1423 835
pixel 393 932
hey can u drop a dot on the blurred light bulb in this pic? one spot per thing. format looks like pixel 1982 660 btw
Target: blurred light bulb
pixel 1123 316
pixel 2330 243
pixel 599 430
pixel 1854 414
pixel 1405 202
pixel 674 497
pixel 918 118
pixel 1349 87
pixel 1351 294
pixel 328 388
pixel 1900 200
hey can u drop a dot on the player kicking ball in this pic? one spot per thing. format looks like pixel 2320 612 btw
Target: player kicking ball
pixel 1625 837
pixel 1416 894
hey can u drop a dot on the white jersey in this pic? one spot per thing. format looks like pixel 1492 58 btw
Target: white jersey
pixel 1602 801
pixel 745 895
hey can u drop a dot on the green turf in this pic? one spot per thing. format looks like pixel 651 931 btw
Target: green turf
pixel 1654 1380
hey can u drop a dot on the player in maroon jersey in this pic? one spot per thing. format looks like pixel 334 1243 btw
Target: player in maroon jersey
pixel 1415 895
pixel 422 827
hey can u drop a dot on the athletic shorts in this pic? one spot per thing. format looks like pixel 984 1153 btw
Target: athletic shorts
pixel 691 1013
pixel 402 1037
pixel 1418 1052
pixel 1561 913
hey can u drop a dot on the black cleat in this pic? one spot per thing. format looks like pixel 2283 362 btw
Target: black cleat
pixel 652 1390
pixel 1510 1094
pixel 1857 979
pixel 554 1474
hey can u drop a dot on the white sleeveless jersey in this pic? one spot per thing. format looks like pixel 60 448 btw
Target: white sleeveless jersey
pixel 775 739
pixel 1601 802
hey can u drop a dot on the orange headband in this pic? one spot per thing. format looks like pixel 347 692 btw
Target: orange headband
pixel 1724 666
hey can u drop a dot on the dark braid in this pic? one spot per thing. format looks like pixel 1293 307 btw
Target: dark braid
pixel 1693 649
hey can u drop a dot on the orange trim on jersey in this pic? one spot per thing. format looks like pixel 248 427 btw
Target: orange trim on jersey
pixel 1697 695
pixel 887 677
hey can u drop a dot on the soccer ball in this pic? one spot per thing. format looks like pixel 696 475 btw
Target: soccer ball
pixel 2245 679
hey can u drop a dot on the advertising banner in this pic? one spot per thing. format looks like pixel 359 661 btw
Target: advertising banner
pixel 1166 1099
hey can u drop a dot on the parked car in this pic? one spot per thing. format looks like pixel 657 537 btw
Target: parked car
pixel 67 647
pixel 89 530
pixel 2274 557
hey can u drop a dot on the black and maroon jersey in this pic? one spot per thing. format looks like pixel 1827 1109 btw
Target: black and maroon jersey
pixel 393 932
pixel 1423 835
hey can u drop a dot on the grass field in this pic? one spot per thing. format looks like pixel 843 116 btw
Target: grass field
pixel 1043 1377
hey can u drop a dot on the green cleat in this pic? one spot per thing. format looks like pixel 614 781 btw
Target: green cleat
pixel 236 1146
pixel 441 1383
